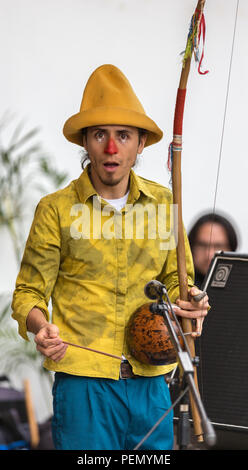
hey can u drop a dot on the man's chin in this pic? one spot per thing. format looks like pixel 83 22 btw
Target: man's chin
pixel 110 181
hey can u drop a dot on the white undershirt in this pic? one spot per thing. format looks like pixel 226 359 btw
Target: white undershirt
pixel 118 204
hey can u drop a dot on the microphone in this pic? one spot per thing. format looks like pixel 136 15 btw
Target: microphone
pixel 154 289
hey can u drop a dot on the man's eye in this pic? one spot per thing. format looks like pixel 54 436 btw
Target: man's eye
pixel 99 136
pixel 124 136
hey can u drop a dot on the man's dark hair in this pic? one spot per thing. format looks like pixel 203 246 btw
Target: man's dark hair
pixel 217 219
pixel 85 158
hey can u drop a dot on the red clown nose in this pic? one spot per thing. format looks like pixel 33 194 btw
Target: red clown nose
pixel 111 147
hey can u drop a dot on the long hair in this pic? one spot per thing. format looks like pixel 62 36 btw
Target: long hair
pixel 217 219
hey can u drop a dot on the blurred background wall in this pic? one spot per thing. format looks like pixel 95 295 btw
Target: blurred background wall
pixel 48 50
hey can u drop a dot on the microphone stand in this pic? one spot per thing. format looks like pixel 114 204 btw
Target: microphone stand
pixel 187 369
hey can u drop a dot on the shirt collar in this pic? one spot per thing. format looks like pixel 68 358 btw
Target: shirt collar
pixel 138 185
pixel 85 188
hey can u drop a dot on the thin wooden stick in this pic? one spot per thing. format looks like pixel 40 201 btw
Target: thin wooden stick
pixel 177 200
pixel 33 426
pixel 93 350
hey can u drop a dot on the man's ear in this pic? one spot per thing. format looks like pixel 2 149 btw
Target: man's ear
pixel 142 142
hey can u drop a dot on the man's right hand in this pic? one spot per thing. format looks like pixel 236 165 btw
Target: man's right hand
pixel 49 343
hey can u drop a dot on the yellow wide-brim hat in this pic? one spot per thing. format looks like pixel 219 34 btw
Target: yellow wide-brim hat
pixel 109 99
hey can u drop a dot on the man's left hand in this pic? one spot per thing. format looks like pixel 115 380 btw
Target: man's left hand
pixel 192 309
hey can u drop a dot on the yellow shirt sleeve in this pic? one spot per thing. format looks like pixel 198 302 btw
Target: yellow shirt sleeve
pixel 169 274
pixel 39 266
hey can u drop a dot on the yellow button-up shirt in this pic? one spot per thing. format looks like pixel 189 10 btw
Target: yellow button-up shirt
pixel 93 262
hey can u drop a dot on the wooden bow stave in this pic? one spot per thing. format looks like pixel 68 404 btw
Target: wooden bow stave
pixel 177 200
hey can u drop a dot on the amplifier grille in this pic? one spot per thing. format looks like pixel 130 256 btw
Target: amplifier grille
pixel 223 346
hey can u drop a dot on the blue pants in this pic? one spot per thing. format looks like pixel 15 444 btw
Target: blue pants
pixel 106 414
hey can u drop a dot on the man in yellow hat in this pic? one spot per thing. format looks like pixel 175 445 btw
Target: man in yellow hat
pixel 92 248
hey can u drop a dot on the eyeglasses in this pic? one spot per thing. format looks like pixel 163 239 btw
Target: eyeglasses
pixel 211 246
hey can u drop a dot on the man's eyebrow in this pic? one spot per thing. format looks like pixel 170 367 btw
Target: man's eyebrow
pixel 99 128
pixel 96 128
pixel 125 130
